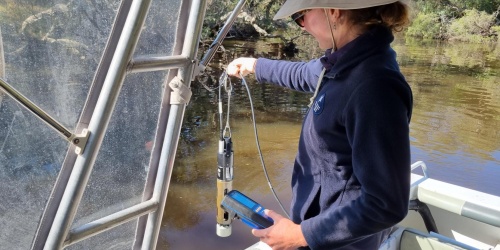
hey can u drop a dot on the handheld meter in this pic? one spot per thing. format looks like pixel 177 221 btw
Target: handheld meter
pixel 249 211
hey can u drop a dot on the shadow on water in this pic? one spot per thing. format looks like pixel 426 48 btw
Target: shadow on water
pixel 454 129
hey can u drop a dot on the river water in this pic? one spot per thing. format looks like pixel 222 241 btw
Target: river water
pixel 455 130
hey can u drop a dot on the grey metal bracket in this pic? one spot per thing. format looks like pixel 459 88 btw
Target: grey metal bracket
pixel 80 141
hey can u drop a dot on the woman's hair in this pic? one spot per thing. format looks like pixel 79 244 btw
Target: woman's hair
pixel 395 16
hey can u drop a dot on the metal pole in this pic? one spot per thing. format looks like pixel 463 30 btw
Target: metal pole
pixel 98 124
pixel 2 64
pixel 166 164
pixel 90 229
pixel 37 111
pixel 222 34
pixel 156 63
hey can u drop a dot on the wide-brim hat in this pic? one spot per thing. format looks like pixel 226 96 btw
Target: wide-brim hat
pixel 293 6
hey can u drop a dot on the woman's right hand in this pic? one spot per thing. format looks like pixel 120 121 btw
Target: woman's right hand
pixel 242 65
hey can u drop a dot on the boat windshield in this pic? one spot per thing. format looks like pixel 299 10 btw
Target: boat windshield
pixel 92 67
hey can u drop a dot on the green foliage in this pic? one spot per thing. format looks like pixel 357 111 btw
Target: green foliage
pixel 425 25
pixel 441 7
pixel 255 12
pixel 496 31
pixel 489 6
pixel 213 21
pixel 474 26
pixel 462 20
pixel 456 7
pixel 264 12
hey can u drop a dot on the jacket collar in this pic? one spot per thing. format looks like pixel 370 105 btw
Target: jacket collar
pixel 372 41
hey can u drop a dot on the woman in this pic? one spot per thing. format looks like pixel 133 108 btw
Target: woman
pixel 351 175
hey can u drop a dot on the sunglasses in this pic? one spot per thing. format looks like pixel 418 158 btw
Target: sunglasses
pixel 298 17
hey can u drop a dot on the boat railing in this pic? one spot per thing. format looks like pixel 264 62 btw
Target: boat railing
pixel 453 211
pixel 412 239
pixel 422 165
pixel 463 201
pixel 460 200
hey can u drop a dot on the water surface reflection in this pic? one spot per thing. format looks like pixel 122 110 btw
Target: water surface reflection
pixel 454 129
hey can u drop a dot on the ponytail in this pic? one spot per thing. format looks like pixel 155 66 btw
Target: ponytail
pixel 395 16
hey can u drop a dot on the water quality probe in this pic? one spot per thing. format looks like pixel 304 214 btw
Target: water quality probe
pixel 225 160
pixel 232 204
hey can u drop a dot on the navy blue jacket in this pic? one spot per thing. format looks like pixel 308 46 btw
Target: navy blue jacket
pixel 352 171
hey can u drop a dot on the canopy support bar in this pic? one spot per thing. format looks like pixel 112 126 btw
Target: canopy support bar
pixel 90 229
pixel 174 124
pixel 157 63
pixel 98 124
pixel 78 140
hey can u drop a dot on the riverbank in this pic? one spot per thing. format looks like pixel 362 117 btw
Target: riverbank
pixel 465 20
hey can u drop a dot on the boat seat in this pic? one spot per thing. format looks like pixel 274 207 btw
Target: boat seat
pixel 412 239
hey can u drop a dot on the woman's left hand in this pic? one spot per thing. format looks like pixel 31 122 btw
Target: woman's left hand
pixel 284 234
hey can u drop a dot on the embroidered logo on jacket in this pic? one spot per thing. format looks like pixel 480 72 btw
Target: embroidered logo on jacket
pixel 318 105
